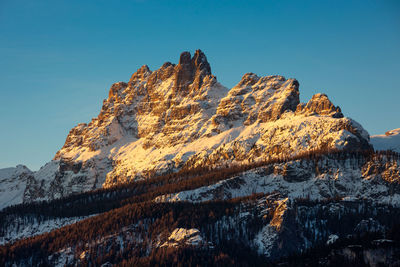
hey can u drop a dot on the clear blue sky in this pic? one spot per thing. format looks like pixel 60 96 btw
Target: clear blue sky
pixel 59 58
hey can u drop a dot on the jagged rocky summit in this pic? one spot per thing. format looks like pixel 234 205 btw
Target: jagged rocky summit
pixel 181 117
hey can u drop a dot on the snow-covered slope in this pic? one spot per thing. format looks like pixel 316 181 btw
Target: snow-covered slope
pixel 328 178
pixel 352 181
pixel 388 141
pixel 20 228
pixel 180 117
pixel 13 183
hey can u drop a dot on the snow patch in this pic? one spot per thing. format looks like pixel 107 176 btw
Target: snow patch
pixel 20 228
pixel 332 239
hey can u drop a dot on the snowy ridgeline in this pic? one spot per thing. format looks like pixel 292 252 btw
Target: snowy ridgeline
pixel 388 141
pixel 240 144
pixel 28 227
pixel 348 179
pixel 13 185
pixel 157 123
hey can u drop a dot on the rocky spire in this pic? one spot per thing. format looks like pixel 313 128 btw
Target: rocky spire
pixel 191 70
pixel 140 74
pixel 200 62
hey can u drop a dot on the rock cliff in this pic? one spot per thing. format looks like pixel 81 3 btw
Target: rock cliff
pixel 180 117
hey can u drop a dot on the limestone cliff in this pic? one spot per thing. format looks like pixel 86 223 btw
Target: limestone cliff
pixel 180 116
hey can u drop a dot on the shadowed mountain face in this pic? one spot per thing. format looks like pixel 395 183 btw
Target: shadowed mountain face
pixel 180 117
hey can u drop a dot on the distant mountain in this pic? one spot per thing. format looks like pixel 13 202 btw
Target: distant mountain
pixel 13 183
pixel 389 141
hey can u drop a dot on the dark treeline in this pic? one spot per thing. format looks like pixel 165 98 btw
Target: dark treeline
pixel 132 204
pixel 150 219
pixel 376 218
pixel 102 200
pixel 357 246
pixel 229 254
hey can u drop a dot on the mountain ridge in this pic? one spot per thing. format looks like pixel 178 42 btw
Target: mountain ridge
pixel 180 117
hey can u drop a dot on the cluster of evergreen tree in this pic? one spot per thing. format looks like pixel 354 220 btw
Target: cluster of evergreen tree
pixel 352 250
pixel 132 204
pixel 101 200
pixel 138 226
pixel 155 219
pixel 228 254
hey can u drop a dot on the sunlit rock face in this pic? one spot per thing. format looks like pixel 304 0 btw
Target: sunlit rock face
pixel 256 99
pixel 320 104
pixel 184 237
pixel 180 116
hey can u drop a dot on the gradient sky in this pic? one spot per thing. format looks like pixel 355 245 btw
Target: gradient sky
pixel 59 58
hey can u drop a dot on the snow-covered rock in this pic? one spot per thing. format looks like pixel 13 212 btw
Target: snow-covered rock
pixel 349 179
pixel 21 228
pixel 13 183
pixel 183 236
pixel 178 117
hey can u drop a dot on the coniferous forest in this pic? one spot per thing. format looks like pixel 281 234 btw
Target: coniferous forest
pixel 127 227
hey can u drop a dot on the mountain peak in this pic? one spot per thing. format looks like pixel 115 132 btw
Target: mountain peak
pixel 200 61
pixel 191 70
pixel 320 104
pixel 197 62
pixel 142 73
pixel 179 116
pixel 249 79
pixel 185 58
